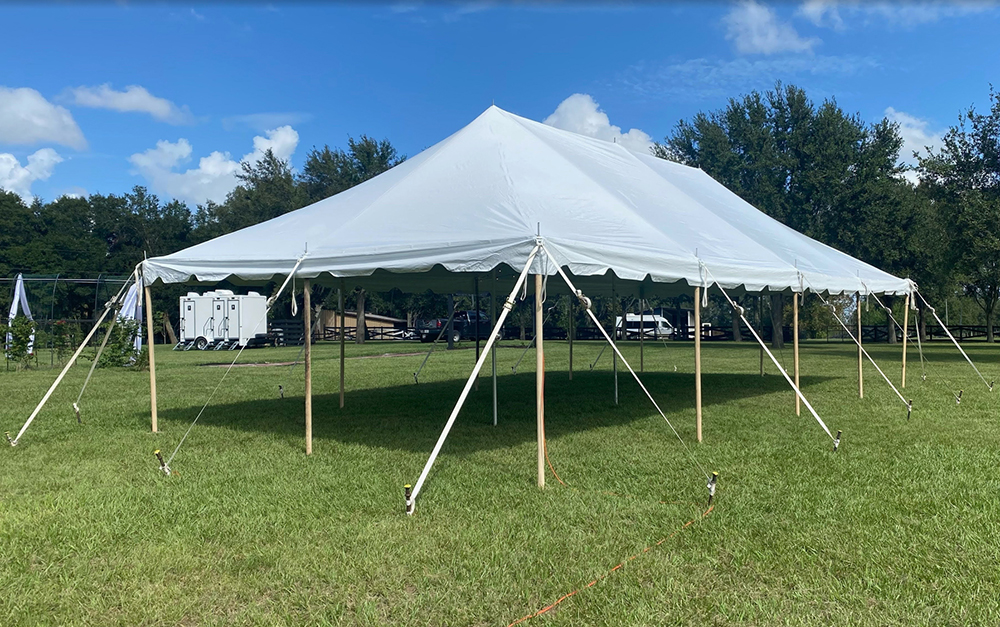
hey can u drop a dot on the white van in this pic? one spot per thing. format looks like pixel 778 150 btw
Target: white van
pixel 654 326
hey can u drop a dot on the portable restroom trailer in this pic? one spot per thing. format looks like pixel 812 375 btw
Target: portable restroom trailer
pixel 221 319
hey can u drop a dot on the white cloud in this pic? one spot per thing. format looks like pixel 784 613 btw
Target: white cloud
pixel 581 114
pixel 18 179
pixel 215 175
pixel 916 135
pixel 696 80
pixel 132 98
pixel 260 122
pixel 26 117
pixel 822 13
pixel 903 14
pixel 755 29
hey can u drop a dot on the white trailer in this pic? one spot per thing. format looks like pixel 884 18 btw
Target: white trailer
pixel 221 319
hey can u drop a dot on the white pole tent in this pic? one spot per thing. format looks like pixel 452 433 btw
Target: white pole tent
pixel 514 197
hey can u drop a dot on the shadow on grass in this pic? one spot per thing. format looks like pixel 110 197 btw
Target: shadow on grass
pixel 411 417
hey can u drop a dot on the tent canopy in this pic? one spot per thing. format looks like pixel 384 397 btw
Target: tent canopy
pixel 479 199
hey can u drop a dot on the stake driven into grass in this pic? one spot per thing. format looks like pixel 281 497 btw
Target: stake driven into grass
pixel 897 528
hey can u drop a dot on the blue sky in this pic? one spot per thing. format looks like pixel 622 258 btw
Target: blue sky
pixel 98 98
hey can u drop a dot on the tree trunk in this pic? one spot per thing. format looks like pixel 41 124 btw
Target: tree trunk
pixel 169 329
pixel 890 327
pixel 777 321
pixel 922 326
pixel 361 330
pixel 989 322
pixel 737 336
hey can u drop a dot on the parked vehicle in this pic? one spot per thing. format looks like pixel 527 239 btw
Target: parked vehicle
pixel 651 325
pixel 464 327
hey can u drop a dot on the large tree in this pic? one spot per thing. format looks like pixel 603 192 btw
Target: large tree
pixel 330 171
pixel 817 169
pixel 962 180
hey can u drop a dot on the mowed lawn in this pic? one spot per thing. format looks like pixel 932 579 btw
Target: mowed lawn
pixel 900 527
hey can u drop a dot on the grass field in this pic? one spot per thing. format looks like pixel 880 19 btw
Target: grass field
pixel 900 527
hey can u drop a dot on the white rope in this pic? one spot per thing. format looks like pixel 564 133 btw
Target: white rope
pixel 833 313
pixel 69 364
pixel 989 385
pixel 763 346
pixel 906 334
pixel 270 303
pixel 587 306
pixel 508 305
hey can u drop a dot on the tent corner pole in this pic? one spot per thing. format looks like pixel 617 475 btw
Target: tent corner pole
pixel 906 332
pixel 861 379
pixel 795 348
pixel 307 321
pixel 697 359
pixel 152 359
pixel 540 380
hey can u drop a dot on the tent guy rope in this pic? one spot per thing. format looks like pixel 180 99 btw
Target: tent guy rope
pixel 989 384
pixel 833 312
pixel 586 302
pixel 742 312
pixel 165 466
pixel 69 364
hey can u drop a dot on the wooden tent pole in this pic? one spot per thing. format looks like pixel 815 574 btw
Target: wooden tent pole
pixel 342 332
pixel 861 380
pixel 540 380
pixel 697 358
pixel 307 320
pixel 906 332
pixel 152 358
pixel 795 349
pixel 615 306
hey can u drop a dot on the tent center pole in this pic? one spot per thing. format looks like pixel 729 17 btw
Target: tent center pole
pixel 152 359
pixel 906 332
pixel 861 380
pixel 795 347
pixel 642 331
pixel 697 359
pixel 493 348
pixel 615 306
pixel 570 332
pixel 340 299
pixel 540 380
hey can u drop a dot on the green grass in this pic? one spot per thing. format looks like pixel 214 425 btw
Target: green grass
pixel 900 527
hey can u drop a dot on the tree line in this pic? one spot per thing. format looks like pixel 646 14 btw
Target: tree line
pixel 820 170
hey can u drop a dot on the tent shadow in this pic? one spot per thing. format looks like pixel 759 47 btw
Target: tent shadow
pixel 410 418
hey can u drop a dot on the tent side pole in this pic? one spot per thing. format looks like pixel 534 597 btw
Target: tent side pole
pixel 342 331
pixel 307 320
pixel 697 358
pixel 906 332
pixel 493 348
pixel 152 359
pixel 540 380
pixel 861 380
pixel 795 348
